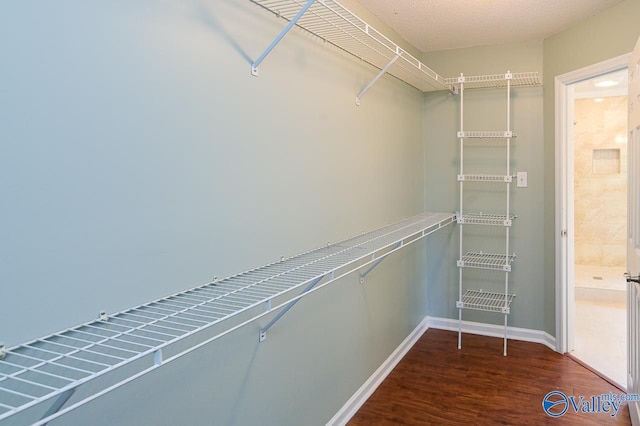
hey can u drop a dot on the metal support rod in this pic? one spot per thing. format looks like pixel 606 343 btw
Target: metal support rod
pixel 461 195
pixel 377 262
pixel 274 43
pixel 504 349
pixel 377 77
pixel 508 209
pixel 263 332
pixel 62 399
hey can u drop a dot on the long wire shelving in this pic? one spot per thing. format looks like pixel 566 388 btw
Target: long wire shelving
pixel 337 25
pixel 39 377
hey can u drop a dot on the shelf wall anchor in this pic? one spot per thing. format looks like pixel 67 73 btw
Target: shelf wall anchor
pixel 274 43
pixel 377 77
pixel 263 332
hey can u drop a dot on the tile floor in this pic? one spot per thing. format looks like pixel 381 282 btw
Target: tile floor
pixel 600 323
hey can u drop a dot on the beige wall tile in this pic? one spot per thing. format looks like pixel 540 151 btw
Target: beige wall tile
pixel 600 198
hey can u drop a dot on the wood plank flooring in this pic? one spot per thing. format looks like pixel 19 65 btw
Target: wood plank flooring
pixel 437 384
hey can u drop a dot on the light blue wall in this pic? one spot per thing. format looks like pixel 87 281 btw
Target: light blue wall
pixel 140 158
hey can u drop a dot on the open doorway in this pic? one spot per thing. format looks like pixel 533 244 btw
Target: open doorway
pixel 599 223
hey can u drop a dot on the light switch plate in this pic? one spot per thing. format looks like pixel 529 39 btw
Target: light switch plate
pixel 522 179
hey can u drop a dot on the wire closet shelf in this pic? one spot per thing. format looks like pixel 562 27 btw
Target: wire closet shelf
pixel 492 261
pixel 486 134
pixel 485 178
pixel 335 24
pixel 37 378
pixel 486 219
pixel 522 79
pixel 480 300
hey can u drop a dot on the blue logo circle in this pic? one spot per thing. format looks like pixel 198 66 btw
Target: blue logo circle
pixel 555 403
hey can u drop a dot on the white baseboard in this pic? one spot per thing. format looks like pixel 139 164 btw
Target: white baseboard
pixel 514 333
pixel 351 407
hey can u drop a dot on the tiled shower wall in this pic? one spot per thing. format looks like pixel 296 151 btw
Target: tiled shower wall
pixel 600 160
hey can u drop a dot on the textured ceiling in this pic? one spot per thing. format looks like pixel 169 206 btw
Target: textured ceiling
pixel 432 25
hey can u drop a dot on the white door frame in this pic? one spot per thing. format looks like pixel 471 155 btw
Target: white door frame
pixel 564 193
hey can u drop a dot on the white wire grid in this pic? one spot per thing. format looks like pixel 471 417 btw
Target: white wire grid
pixel 522 79
pixel 486 219
pixel 486 301
pixel 497 262
pixel 484 178
pixel 486 134
pixel 38 371
pixel 335 24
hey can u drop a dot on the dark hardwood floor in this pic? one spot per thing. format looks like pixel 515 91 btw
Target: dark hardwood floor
pixel 437 384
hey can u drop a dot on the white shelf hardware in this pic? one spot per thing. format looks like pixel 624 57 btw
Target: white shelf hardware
pixel 472 299
pixel 337 25
pixel 42 375
pixel 486 301
pixel 496 262
pixel 486 219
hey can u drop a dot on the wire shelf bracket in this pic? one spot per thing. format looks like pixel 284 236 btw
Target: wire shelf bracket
pixel 47 375
pixel 263 332
pixel 377 262
pixel 283 33
pixel 59 403
pixel 382 72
